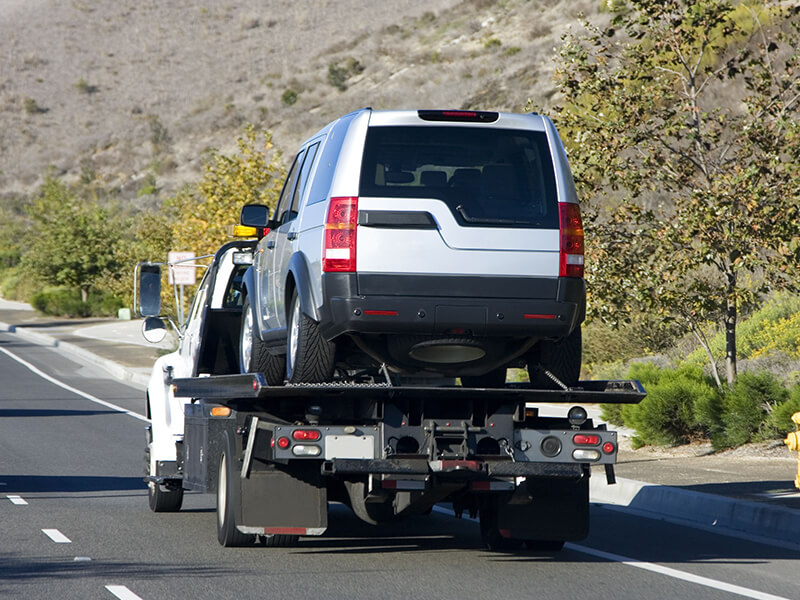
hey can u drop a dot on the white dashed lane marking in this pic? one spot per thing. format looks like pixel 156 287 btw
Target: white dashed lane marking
pixel 56 536
pixel 18 500
pixel 121 592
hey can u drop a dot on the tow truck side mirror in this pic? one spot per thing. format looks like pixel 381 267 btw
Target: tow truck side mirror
pixel 149 290
pixel 153 330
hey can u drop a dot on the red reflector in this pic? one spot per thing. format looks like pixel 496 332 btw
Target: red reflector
pixel 481 485
pixel 571 257
pixel 609 448
pixel 381 313
pixel 283 443
pixel 533 316
pixel 389 484
pixel 285 530
pixel 306 435
pixel 583 439
pixel 339 251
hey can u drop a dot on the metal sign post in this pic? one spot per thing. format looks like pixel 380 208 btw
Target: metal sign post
pixel 181 274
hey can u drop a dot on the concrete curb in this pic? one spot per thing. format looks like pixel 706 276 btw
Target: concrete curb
pixel 708 511
pixel 113 368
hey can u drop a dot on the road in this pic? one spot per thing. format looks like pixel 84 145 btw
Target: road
pixel 75 524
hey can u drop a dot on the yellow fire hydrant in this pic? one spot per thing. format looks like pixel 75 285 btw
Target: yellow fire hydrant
pixel 793 441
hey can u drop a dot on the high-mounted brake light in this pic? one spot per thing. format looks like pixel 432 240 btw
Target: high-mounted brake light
pixel 571 260
pixel 469 116
pixel 339 252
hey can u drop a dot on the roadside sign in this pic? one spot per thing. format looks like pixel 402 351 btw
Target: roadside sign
pixel 182 273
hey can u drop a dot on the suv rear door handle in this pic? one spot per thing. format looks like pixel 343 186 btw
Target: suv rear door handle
pixel 270 244
pixel 292 235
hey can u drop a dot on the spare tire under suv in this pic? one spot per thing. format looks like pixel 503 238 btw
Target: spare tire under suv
pixel 433 242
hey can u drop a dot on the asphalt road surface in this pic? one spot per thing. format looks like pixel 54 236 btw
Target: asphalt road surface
pixel 75 524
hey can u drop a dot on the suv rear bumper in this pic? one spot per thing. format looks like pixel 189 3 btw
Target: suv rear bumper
pixel 511 307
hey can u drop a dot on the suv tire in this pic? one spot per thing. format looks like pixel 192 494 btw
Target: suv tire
pixel 259 359
pixel 562 358
pixel 309 356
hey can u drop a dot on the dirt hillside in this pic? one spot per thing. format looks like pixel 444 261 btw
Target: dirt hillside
pixel 131 91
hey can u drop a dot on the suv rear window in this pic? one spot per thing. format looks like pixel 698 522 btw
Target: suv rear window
pixel 488 177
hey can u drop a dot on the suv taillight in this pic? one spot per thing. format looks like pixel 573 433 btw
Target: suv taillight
pixel 571 261
pixel 339 251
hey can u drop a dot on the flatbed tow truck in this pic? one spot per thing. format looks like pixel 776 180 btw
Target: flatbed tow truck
pixel 275 456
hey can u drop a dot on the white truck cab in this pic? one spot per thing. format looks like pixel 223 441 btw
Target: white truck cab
pixel 208 345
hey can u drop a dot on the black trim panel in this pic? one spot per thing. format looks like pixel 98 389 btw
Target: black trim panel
pixel 396 219
pixel 459 286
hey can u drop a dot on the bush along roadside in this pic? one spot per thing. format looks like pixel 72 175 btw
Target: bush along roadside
pixel 683 405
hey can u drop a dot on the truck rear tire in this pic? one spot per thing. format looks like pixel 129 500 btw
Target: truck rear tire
pixel 163 498
pixel 309 356
pixel 254 357
pixel 562 358
pixel 227 532
pixel 490 532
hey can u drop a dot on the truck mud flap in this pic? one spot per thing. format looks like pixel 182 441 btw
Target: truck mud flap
pixel 277 502
pixel 558 510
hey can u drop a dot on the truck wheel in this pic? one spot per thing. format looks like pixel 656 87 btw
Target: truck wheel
pixel 309 356
pixel 490 533
pixel 562 358
pixel 253 354
pixel 227 533
pixel 279 540
pixel 162 498
pixel 544 546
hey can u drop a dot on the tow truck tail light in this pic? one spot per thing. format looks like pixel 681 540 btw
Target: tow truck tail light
pixel 585 439
pixel 306 435
pixel 571 261
pixel 339 251
pixel 609 448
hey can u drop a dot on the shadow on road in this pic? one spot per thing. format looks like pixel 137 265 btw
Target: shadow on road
pixel 17 484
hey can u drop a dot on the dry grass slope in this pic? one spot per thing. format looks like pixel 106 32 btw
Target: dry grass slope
pixel 130 93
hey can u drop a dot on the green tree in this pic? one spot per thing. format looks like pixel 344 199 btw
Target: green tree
pixel 681 119
pixel 72 239
pixel 203 214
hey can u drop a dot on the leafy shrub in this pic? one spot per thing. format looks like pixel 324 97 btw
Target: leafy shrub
pixel 339 74
pixel 289 97
pixel 492 43
pixel 667 415
pixel 747 409
pixel 66 302
pixel 781 416
pixel 60 301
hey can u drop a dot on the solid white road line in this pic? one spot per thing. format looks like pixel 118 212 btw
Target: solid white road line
pixel 69 388
pixel 56 536
pixel 669 572
pixel 676 574
pixel 18 500
pixel 121 592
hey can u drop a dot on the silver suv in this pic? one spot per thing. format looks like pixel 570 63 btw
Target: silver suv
pixel 429 241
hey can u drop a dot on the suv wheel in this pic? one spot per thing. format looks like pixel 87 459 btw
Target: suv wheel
pixel 309 356
pixel 253 354
pixel 562 358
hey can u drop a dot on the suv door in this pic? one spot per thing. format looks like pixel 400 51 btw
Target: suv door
pixel 268 248
pixel 285 243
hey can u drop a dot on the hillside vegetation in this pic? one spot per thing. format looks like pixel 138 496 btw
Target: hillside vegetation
pixel 129 129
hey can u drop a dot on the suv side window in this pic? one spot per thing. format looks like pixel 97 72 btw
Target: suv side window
pixel 282 209
pixel 302 179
